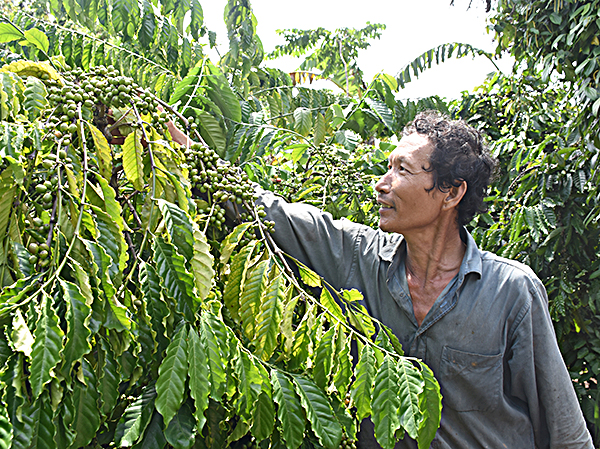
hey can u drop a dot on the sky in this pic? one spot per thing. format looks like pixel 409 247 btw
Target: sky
pixel 413 27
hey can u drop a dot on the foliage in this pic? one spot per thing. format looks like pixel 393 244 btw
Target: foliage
pixel 335 55
pixel 143 300
pixel 544 126
pixel 544 208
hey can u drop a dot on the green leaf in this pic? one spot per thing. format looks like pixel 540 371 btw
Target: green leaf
pixel 202 264
pixel 116 313
pixel 78 313
pixel 37 38
pixel 35 97
pixel 248 385
pixel 6 428
pixel 230 242
pixel 14 293
pixel 300 346
pixel 320 130
pixel 329 303
pixel 147 29
pixel 343 363
pixel 250 297
pixel 323 358
pixel 309 277
pixel 410 385
pixel 386 403
pixel 299 150
pixel 22 423
pixel 132 159
pixel 157 309
pixel 269 316
pixel 365 373
pixel 7 193
pixel 216 360
pixel 222 95
pixel 286 327
pixel 180 431
pixel 236 279
pixel 198 373
pixel 430 403
pixel 177 281
pixel 111 238
pixel 383 112
pixel 103 153
pixel 154 437
pixel 109 380
pixel 289 410
pixel 196 18
pixel 172 373
pixel 319 412
pixel 9 33
pixel 396 345
pixel 357 313
pixel 46 348
pixel 263 415
pixel 263 418
pixel 43 429
pixel 136 418
pixel 180 228
pixel 86 416
pixel 211 131
pixel 302 120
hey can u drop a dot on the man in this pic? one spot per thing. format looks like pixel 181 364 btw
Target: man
pixel 479 321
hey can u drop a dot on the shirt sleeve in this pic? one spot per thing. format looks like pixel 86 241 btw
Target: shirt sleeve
pixel 313 237
pixel 539 378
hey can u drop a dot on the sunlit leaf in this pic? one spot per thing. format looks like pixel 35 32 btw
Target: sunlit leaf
pixel 198 376
pixel 136 418
pixel 46 348
pixel 132 159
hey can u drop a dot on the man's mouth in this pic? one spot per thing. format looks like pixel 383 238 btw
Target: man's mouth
pixel 384 205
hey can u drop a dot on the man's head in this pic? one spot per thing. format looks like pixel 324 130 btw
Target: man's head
pixel 439 169
pixel 458 155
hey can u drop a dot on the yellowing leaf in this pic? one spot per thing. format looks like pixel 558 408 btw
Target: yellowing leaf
pixel 37 38
pixel 30 68
pixel 9 33
pixel 132 159
pixel 21 335
pixel 102 152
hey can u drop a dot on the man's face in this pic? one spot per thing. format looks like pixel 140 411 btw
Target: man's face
pixel 405 203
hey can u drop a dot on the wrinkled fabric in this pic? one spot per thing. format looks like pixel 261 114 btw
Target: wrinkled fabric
pixel 488 337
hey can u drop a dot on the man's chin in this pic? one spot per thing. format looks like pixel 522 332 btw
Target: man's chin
pixel 383 225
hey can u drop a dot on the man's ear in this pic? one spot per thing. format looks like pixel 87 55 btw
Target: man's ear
pixel 455 195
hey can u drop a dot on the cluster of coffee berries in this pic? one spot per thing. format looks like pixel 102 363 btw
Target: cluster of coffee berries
pixel 218 178
pixel 39 250
pixel 347 443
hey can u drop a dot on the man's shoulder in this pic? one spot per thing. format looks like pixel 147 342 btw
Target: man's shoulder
pixel 509 270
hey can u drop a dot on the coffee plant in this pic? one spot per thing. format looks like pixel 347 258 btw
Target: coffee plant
pixel 144 303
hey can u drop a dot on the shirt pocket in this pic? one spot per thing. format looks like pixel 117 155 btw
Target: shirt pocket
pixel 469 381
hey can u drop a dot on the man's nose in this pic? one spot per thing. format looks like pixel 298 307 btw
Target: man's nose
pixel 383 185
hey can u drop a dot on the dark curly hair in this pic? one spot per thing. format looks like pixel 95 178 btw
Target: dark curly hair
pixel 459 155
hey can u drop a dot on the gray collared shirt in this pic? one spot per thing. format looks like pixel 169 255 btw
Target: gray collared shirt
pixel 488 338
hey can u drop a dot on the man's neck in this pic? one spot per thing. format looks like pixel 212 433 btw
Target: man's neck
pixel 431 256
pixel 432 261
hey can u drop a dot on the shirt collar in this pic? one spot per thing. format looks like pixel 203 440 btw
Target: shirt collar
pixel 388 251
pixel 472 259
